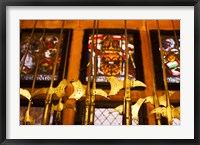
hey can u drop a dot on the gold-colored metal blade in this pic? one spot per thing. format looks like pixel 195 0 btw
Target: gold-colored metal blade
pixel 136 107
pixel 116 85
pixel 160 110
pixel 100 92
pixel 79 90
pixel 25 93
pixel 136 83
pixel 161 99
pixel 28 118
pixel 118 109
pixel 149 99
pixel 59 107
pixel 60 89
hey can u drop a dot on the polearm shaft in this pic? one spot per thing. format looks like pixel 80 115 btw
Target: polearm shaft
pixel 127 98
pixel 26 122
pixel 88 93
pixel 58 113
pixel 26 51
pixel 37 66
pixel 92 107
pixel 132 61
pixel 46 114
pixel 155 97
pixel 176 38
pixel 168 106
pixel 57 118
pixel 66 55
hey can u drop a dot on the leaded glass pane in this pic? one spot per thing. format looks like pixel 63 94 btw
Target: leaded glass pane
pixel 171 56
pixel 104 117
pixel 36 113
pixel 48 44
pixel 110 51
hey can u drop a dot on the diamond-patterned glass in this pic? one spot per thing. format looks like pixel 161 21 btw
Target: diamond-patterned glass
pixel 104 117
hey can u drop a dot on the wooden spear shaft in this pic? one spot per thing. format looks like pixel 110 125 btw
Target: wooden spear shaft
pixel 46 114
pixel 155 97
pixel 58 114
pixel 34 80
pixel 127 98
pixel 66 55
pixel 88 93
pixel 176 38
pixel 92 107
pixel 168 106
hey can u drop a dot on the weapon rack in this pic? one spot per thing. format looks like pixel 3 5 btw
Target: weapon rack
pixel 76 57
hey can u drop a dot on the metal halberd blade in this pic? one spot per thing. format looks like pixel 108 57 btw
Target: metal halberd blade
pixel 25 93
pixel 161 99
pixel 117 85
pixel 60 106
pixel 163 111
pixel 60 89
pixel 80 91
pixel 134 108
pixel 28 118
pixel 100 92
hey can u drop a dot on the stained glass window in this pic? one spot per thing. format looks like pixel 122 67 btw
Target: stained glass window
pixel 171 57
pixel 110 53
pixel 47 43
pixel 36 113
pixel 109 47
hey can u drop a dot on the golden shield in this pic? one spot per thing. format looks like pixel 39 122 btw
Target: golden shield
pixel 111 63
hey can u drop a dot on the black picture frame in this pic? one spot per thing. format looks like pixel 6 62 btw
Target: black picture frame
pixel 5 3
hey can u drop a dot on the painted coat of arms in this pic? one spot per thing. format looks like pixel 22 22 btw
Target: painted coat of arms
pixel 111 60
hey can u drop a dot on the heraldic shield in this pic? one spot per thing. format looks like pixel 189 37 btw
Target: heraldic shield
pixel 111 60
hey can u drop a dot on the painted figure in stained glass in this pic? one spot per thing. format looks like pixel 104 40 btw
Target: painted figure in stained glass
pixel 171 52
pixel 30 60
pixel 48 54
pixel 48 46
